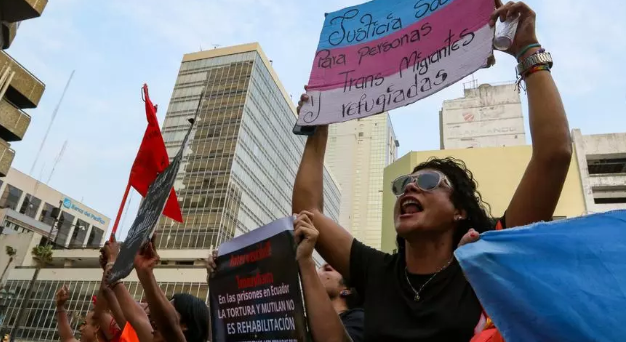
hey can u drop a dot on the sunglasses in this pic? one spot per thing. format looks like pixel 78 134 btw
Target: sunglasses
pixel 425 181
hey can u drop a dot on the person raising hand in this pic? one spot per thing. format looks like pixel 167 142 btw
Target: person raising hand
pixel 324 323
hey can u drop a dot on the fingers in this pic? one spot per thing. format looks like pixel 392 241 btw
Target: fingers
pixel 510 10
pixel 498 4
pixel 520 9
pixel 469 237
pixel 500 13
pixel 304 98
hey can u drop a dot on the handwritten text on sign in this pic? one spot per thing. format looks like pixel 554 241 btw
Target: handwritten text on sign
pixel 383 55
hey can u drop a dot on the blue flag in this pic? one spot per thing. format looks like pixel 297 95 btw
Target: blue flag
pixel 557 281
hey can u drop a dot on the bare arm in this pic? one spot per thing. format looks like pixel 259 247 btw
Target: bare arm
pixel 323 319
pixel 65 330
pixel 161 310
pixel 324 322
pixel 334 242
pixel 127 308
pixel 539 190
pixel 114 306
pixel 133 313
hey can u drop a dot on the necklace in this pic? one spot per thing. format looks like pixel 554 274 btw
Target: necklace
pixel 417 292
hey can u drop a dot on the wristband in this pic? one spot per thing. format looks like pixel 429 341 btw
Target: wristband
pixel 525 49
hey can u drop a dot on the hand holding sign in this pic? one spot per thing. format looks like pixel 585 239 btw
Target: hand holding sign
pixel 147 258
pixel 382 55
pixel 305 235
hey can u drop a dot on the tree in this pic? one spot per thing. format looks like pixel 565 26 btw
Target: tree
pixel 43 257
pixel 11 252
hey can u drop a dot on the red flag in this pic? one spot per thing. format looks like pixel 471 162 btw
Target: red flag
pixel 151 160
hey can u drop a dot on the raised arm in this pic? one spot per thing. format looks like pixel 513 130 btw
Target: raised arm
pixel 334 243
pixel 540 188
pixel 161 310
pixel 131 311
pixel 65 330
pixel 324 322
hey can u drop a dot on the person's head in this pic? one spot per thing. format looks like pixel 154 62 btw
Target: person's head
pixel 193 317
pixel 89 328
pixel 440 197
pixel 336 286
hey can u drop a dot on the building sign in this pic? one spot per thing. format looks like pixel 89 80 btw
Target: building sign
pixel 67 203
pixel 382 55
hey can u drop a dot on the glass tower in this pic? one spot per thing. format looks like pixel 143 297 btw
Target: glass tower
pixel 239 167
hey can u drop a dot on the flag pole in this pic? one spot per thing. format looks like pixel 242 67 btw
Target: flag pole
pixel 119 213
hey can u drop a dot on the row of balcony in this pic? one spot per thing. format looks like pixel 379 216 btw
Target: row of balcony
pixel 12 12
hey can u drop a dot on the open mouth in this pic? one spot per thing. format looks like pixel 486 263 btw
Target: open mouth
pixel 410 206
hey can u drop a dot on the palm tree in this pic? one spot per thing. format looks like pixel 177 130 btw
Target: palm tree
pixel 43 257
pixel 11 253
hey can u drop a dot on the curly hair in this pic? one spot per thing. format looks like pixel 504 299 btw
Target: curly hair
pixel 465 196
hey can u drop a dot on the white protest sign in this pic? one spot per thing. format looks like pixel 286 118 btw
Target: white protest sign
pixel 382 55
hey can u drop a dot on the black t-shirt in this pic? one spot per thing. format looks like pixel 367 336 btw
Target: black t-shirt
pixel 447 311
pixel 354 320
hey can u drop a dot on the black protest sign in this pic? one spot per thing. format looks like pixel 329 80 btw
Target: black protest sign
pixel 148 215
pixel 255 291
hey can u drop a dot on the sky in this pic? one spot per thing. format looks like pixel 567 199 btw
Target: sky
pixel 115 46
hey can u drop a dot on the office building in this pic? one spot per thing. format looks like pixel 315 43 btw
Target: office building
pixel 357 153
pixel 602 163
pixel 34 214
pixel 239 168
pixel 498 171
pixel 28 205
pixel 237 174
pixel 487 116
pixel 19 89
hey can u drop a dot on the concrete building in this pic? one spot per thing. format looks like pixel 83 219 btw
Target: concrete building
pixel 358 151
pixel 487 116
pixel 240 165
pixel 19 89
pixel 28 205
pixel 237 174
pixel 498 171
pixel 602 163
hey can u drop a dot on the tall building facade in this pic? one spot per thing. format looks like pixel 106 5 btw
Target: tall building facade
pixel 602 163
pixel 358 151
pixel 19 88
pixel 487 116
pixel 240 165
pixel 496 187
pixel 238 173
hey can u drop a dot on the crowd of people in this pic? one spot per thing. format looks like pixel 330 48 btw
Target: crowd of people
pixel 418 293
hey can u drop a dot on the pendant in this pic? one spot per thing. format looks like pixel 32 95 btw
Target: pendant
pixel 417 297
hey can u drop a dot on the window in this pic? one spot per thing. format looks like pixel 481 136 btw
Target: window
pixel 10 197
pixel 609 195
pixel 606 165
pixel 78 236
pixel 64 225
pixel 610 200
pixel 30 206
pixel 46 214
pixel 95 237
